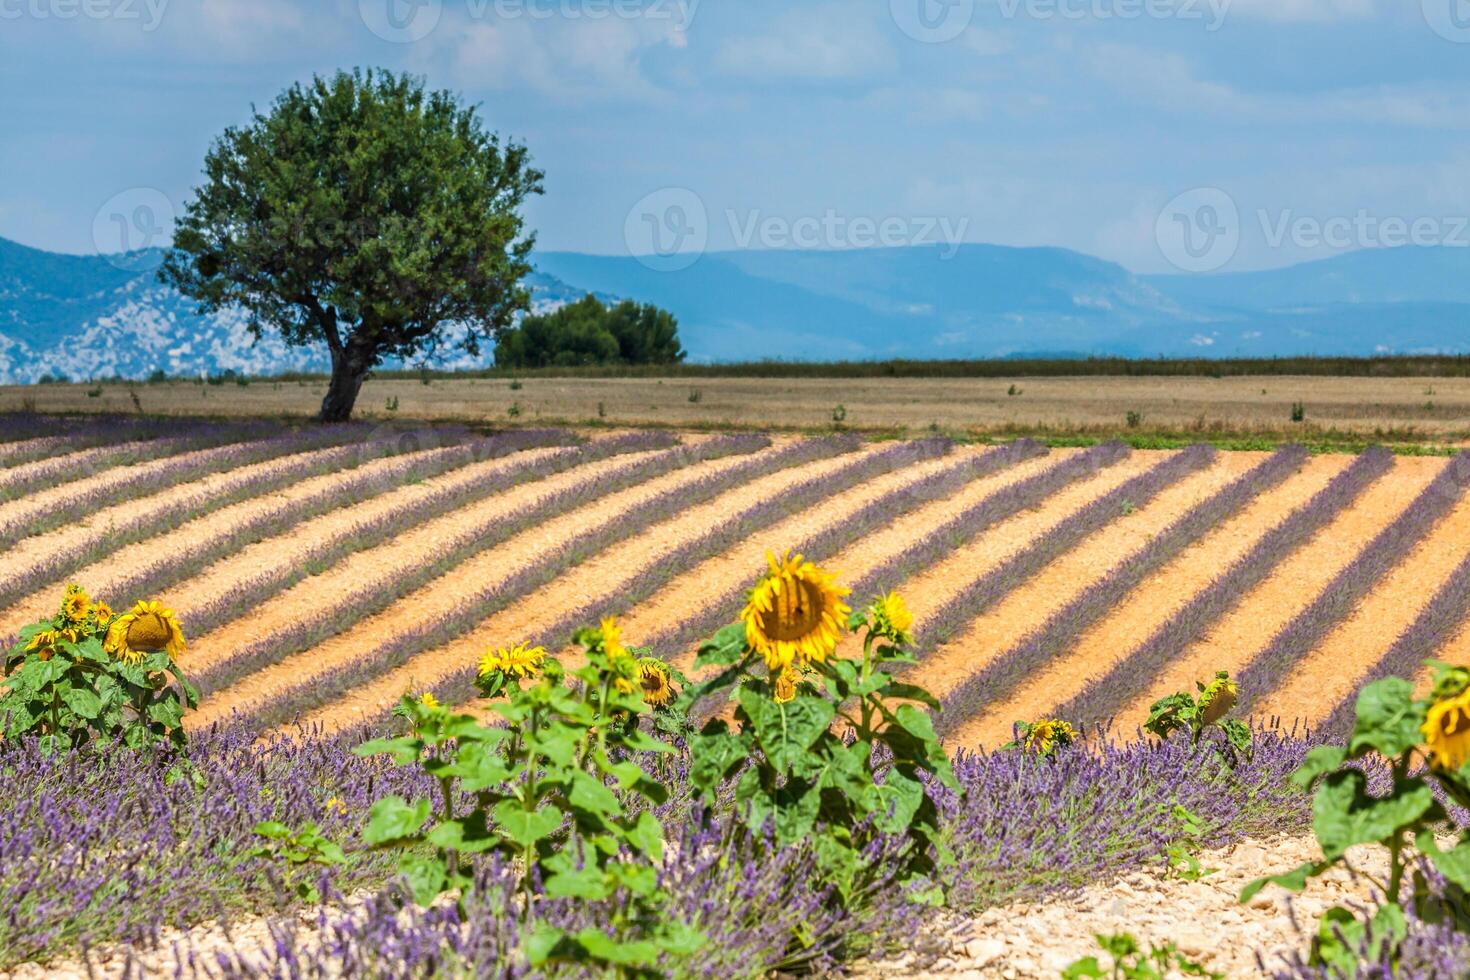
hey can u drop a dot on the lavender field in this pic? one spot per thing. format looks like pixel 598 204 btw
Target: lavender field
pixel 322 573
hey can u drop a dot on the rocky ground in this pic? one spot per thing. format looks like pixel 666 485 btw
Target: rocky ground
pixel 1202 917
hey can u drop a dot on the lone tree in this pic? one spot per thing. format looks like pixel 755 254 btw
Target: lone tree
pixel 364 213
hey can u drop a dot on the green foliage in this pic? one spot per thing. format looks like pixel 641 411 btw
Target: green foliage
pixel 62 684
pixel 1298 412
pixel 587 332
pixel 1131 962
pixel 1202 715
pixel 839 414
pixel 1134 419
pixel 557 789
pixel 364 213
pixel 1182 855
pixel 834 758
pixel 299 851
pixel 1401 732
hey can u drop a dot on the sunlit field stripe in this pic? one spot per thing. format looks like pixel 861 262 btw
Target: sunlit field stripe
pixel 368 534
pixel 313 461
pixel 180 565
pixel 1336 602
pixel 1134 673
pixel 469 542
pixel 1008 672
pixel 132 484
pixel 457 685
pixel 1437 623
pixel 146 446
pixel 949 620
pixel 822 546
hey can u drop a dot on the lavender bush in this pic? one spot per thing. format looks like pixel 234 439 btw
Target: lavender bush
pixel 1349 587
pixel 1060 631
pixel 470 541
pixel 1133 674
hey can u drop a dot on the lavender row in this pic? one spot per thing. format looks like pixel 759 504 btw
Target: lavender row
pixel 826 543
pixel 188 437
pixel 1343 594
pixel 458 685
pixel 313 462
pixel 1435 625
pixel 1002 505
pixel 1132 675
pixel 92 433
pixel 468 542
pixel 180 564
pixel 983 593
pixel 269 444
pixel 1039 648
pixel 117 848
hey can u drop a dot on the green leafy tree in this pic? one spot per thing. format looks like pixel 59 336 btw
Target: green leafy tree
pixel 588 332
pixel 364 213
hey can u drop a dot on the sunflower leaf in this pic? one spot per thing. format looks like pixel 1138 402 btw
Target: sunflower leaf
pixel 393 819
pixel 1389 719
pixel 786 731
pixel 725 648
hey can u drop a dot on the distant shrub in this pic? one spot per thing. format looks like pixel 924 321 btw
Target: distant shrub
pixel 514 411
pixel 839 414
pixel 1013 391
pixel 588 333
pixel 1298 412
pixel 157 377
pixel 94 392
pixel 1134 419
pixel 515 384
pixel 391 404
pixel 695 396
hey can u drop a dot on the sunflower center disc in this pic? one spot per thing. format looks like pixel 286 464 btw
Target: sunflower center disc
pixel 148 633
pixel 795 613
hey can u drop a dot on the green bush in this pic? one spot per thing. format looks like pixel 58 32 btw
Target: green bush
pixel 588 333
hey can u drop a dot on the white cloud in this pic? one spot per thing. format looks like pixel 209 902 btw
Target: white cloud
pixel 831 42
pixel 569 60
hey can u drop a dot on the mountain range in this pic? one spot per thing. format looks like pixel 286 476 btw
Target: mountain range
pixel 105 316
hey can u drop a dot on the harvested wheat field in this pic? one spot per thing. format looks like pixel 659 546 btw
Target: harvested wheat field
pixel 322 574
pixel 321 577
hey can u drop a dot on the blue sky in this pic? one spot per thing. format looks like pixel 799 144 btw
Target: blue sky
pixel 1288 129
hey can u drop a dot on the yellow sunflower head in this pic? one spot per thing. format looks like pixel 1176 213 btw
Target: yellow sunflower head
pixel 1046 736
pixel 102 612
pixel 76 604
pixel 428 700
pixel 518 661
pixel 795 613
pixel 612 638
pixel 146 628
pixel 1216 698
pixel 653 675
pixel 891 618
pixel 1447 731
pixel 785 686
pixel 43 641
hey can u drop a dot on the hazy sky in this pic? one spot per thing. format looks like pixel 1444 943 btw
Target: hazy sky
pixel 1143 131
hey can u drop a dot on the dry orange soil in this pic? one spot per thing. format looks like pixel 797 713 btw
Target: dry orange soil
pixel 1311 687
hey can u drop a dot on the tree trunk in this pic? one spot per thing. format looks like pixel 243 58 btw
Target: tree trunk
pixel 348 374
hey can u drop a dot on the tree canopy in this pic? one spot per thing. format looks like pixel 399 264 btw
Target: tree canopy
pixel 364 213
pixel 588 332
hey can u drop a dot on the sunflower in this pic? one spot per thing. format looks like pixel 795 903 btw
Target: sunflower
pixel 653 675
pixel 521 661
pixel 891 618
pixel 794 614
pixel 76 604
pixel 428 700
pixel 103 612
pixel 612 638
pixel 1216 699
pixel 1049 734
pixel 785 686
pixel 43 640
pixel 146 628
pixel 1447 731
